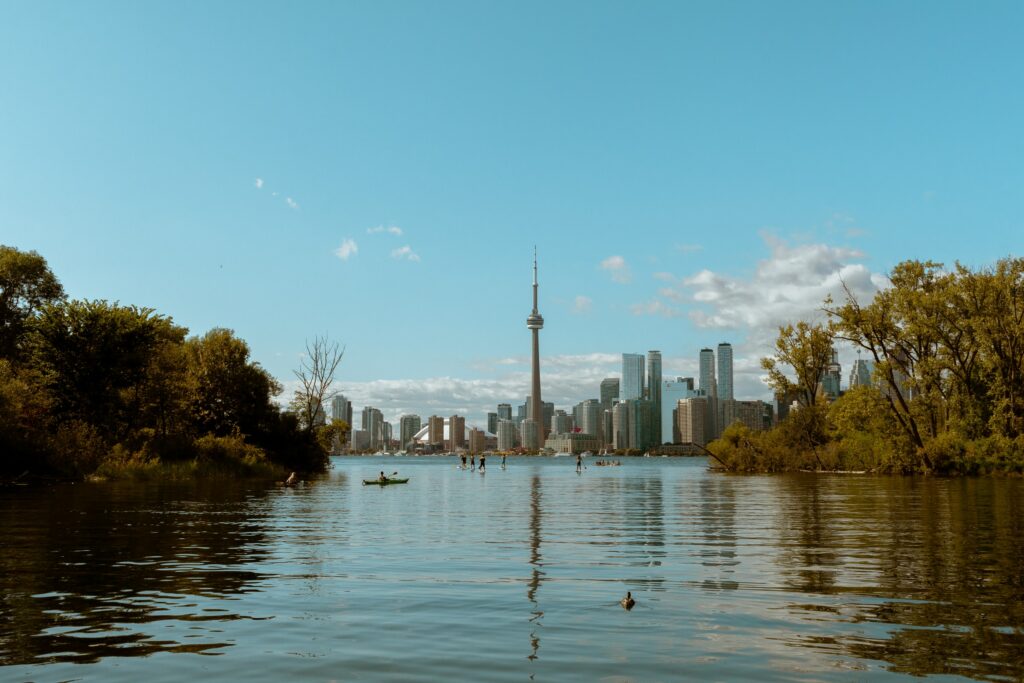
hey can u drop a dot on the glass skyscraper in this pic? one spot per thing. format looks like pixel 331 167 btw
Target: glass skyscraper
pixel 725 390
pixel 632 376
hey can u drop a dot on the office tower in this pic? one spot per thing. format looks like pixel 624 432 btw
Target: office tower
pixel 535 322
pixel 860 373
pixel 562 423
pixel 641 424
pixel 373 424
pixel 620 426
pixel 341 409
pixel 671 391
pixel 549 415
pixel 408 425
pixel 521 412
pixel 529 434
pixel 591 418
pixel 436 431
pixel 492 423
pixel 725 386
pixel 632 376
pixel 607 427
pixel 749 413
pixel 609 391
pixel 477 441
pixel 506 435
pixel 831 378
pixel 319 417
pixel 504 411
pixel 707 372
pixel 654 393
pixel 692 416
pixel 457 431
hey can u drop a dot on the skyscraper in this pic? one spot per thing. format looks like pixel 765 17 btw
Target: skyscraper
pixel 725 389
pixel 609 391
pixel 691 415
pixel 408 425
pixel 492 423
pixel 860 373
pixel 671 391
pixel 632 386
pixel 706 379
pixel 535 322
pixel 341 409
pixel 504 411
pixel 654 394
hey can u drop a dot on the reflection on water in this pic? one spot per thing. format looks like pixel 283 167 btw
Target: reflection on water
pixel 787 577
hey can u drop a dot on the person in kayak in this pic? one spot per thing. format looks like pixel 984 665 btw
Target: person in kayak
pixel 382 478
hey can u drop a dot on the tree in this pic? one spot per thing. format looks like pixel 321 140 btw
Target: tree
pixel 227 391
pixel 316 375
pixel 26 284
pixel 807 349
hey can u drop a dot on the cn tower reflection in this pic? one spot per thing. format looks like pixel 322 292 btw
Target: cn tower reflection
pixel 535 562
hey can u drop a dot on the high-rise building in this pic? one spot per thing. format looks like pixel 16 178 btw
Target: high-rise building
pixel 709 388
pixel 373 425
pixel 341 409
pixel 609 391
pixel 529 431
pixel 457 431
pixel 492 423
pixel 408 425
pixel 641 424
pixel 620 425
pixel 725 388
pixel 831 378
pixel 591 418
pixel 504 411
pixel 477 441
pixel 750 413
pixel 671 391
pixel 435 426
pixel 692 416
pixel 562 423
pixel 654 393
pixel 860 373
pixel 506 435
pixel 608 427
pixel 632 386
pixel 535 322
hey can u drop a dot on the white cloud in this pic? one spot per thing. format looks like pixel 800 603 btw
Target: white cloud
pixel 405 252
pixel 348 248
pixel 291 203
pixel 391 230
pixel 259 183
pixel 616 265
pixel 582 304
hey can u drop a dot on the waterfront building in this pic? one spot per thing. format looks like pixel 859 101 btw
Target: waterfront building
pixel 591 419
pixel 691 414
pixel 408 425
pixel 632 386
pixel 725 386
pixel 435 431
pixel 609 391
pixel 708 387
pixel 492 423
pixel 373 424
pixel 535 322
pixel 654 392
pixel 607 423
pixel 341 409
pixel 359 440
pixel 620 426
pixel 456 432
pixel 529 433
pixel 506 435
pixel 504 411
pixel 750 413
pixel 520 413
pixel 573 443
pixel 642 434
pixel 562 423
pixel 671 391
pixel 477 441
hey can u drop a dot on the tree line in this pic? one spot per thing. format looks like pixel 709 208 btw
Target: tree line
pixel 98 387
pixel 947 395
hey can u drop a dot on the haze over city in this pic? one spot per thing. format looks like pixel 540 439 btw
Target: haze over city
pixel 690 174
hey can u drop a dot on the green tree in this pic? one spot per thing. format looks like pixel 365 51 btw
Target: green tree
pixel 26 284
pixel 805 348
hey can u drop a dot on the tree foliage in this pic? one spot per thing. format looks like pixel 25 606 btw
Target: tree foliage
pixel 805 348
pixel 26 284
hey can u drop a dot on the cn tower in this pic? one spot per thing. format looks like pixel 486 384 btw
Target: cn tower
pixel 535 322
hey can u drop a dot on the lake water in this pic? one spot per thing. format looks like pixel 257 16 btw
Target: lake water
pixel 515 575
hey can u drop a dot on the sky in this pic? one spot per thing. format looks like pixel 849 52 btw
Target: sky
pixel 379 172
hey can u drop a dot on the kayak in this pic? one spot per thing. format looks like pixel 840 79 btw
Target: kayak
pixel 378 482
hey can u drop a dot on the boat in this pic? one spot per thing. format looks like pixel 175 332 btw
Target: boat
pixel 378 482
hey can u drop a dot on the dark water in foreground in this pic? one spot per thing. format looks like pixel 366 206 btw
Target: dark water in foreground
pixel 515 575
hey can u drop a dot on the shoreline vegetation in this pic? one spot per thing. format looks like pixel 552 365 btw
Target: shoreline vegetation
pixel 947 396
pixel 100 390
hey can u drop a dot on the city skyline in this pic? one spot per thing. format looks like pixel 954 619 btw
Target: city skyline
pixel 690 174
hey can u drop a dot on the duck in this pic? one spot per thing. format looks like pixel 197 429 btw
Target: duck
pixel 628 601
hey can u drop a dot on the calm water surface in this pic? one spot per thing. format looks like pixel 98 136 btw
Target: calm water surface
pixel 515 575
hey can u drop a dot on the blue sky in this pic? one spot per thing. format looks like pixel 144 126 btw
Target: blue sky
pixel 726 162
